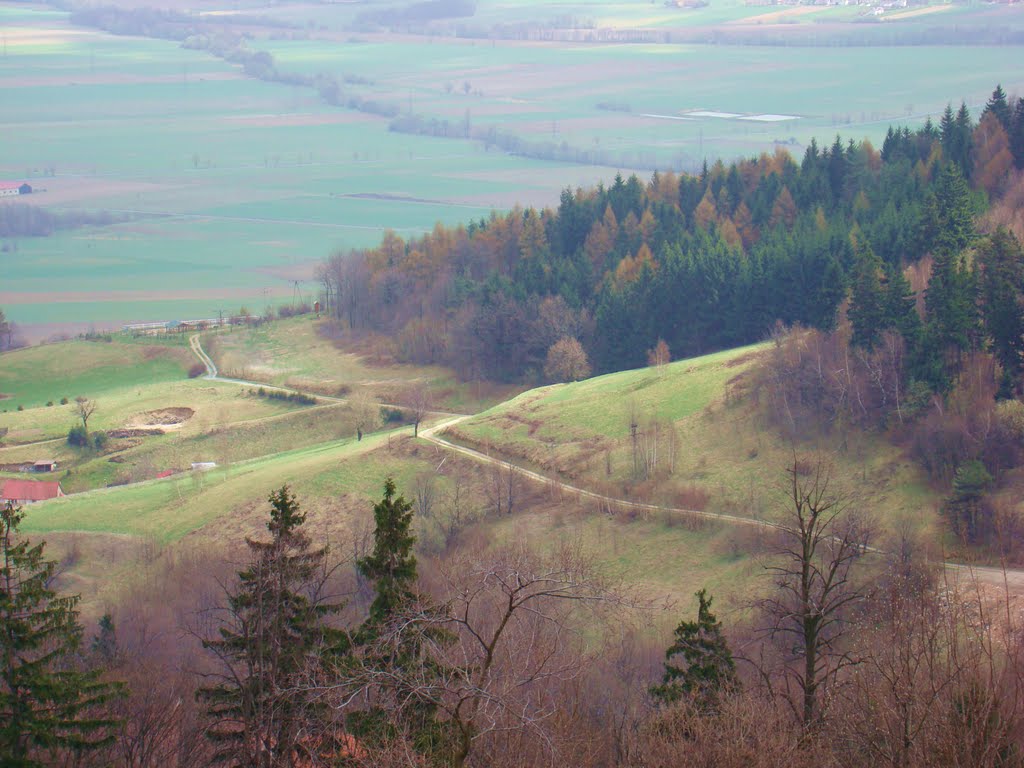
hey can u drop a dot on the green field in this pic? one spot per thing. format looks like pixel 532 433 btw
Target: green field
pixel 165 510
pixel 33 377
pixel 228 190
pixel 337 482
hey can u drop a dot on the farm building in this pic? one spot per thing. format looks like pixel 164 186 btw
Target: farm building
pixel 173 326
pixel 13 188
pixel 19 492
pixel 45 465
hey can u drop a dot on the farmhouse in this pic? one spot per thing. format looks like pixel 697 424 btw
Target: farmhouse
pixel 19 492
pixel 13 188
pixel 45 465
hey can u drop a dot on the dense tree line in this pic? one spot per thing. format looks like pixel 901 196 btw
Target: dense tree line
pixel 703 262
pixel 24 220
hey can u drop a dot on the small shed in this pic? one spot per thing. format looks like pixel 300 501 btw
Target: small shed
pixel 45 465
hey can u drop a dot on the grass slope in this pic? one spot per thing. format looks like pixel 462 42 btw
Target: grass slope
pixel 727 458
pixel 33 376
pixel 165 510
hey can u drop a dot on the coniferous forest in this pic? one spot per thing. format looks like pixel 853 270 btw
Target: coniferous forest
pixel 709 261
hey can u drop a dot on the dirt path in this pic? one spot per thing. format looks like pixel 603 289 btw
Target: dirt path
pixel 214 375
pixel 430 435
pixel 1011 579
pixel 18 446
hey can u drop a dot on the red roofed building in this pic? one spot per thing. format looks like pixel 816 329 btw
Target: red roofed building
pixel 21 492
pixel 10 189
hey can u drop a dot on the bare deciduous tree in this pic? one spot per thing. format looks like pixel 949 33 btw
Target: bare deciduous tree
pixel 450 513
pixel 498 643
pixel 503 488
pixel 566 361
pixel 659 355
pixel 419 402
pixel 365 412
pixel 820 540
pixel 85 408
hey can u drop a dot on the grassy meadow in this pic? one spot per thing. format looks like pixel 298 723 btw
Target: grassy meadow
pixel 34 376
pixel 133 524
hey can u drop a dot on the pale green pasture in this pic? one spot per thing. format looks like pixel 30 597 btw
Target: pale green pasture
pixel 32 377
pixel 132 460
pixel 550 92
pixel 123 399
pixel 236 188
pixel 657 560
pixel 165 510
pixel 600 407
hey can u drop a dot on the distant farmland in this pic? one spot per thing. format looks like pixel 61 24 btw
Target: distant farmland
pixel 229 189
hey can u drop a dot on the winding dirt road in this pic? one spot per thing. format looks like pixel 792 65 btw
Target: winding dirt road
pixel 1010 579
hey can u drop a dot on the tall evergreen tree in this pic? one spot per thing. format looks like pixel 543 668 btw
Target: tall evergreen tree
pixel 999 107
pixel 47 705
pixel 392 565
pixel 393 658
pixel 707 669
pixel 950 296
pixel 867 311
pixel 947 132
pixel 901 306
pixel 949 220
pixel 952 310
pixel 275 623
pixel 1016 134
pixel 1001 259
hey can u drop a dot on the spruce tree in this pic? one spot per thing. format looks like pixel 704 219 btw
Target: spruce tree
pixel 1002 292
pixel 949 219
pixel 402 702
pixel 901 306
pixel 950 302
pixel 47 705
pixel 274 625
pixel 1016 134
pixel 867 311
pixel 391 566
pixel 999 106
pixel 707 669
